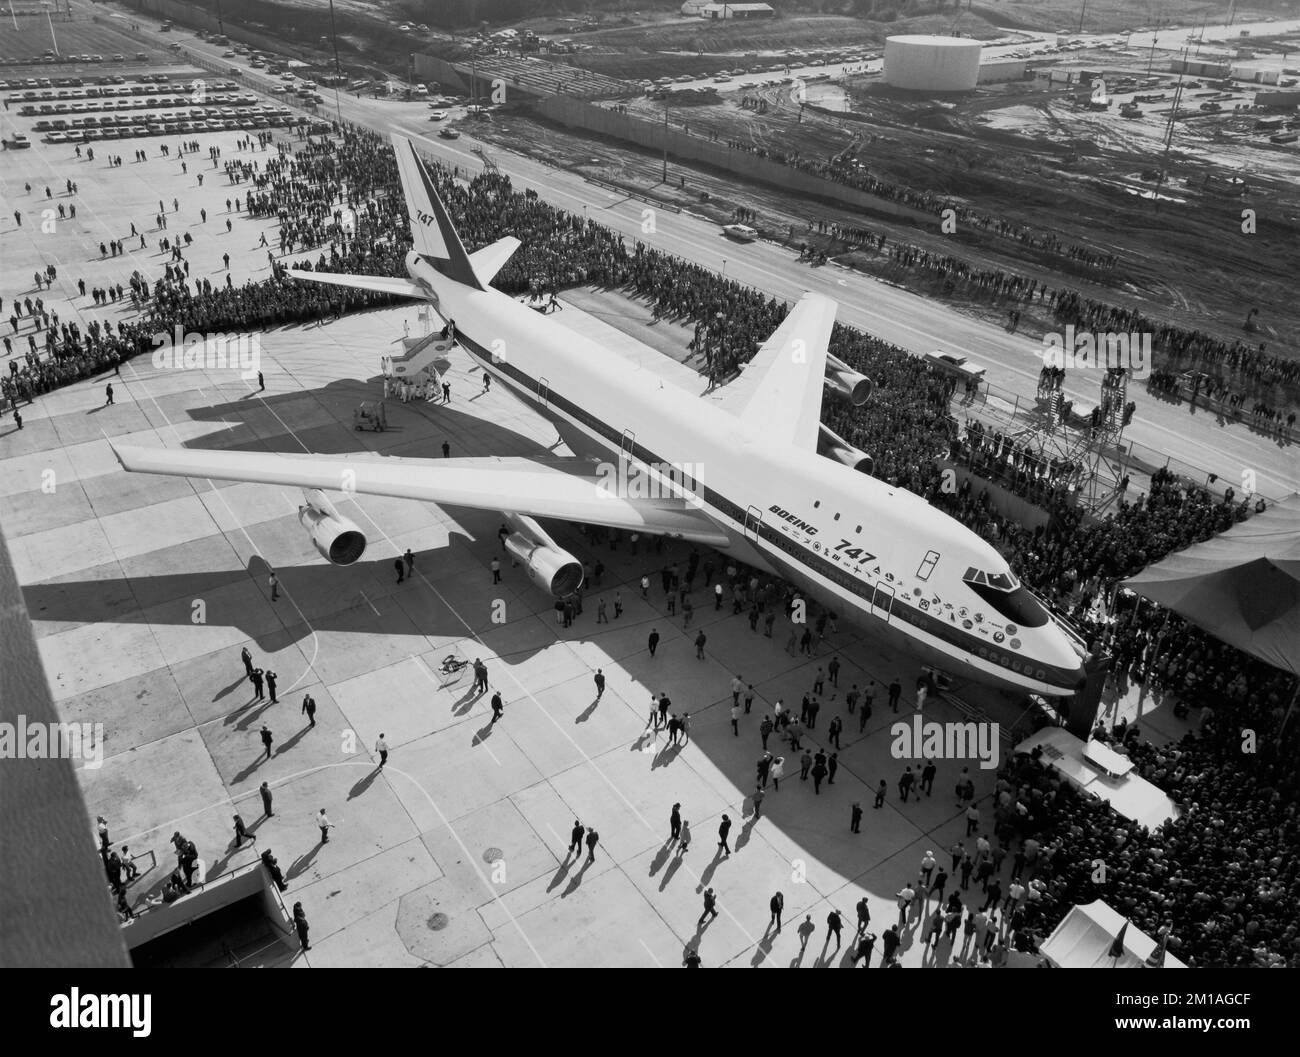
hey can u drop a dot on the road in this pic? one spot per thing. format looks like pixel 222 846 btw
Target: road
pixel 909 320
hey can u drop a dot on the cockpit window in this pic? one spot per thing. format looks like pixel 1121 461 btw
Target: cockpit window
pixel 999 581
pixel 1004 593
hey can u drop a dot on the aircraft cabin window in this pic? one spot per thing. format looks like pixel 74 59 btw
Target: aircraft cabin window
pixel 816 503
pixel 837 517
pixel 858 529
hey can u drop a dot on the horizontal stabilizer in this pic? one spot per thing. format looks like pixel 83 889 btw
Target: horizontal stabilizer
pixel 491 259
pixel 381 283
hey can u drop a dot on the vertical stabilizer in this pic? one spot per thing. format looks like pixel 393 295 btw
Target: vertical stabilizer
pixel 431 229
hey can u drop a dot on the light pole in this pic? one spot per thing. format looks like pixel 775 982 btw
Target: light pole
pixel 221 25
pixel 50 21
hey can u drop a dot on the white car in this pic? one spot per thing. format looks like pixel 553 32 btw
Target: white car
pixel 438 115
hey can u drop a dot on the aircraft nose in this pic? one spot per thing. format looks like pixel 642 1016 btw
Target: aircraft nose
pixel 1067 658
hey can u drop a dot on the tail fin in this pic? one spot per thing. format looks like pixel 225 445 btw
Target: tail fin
pixel 431 228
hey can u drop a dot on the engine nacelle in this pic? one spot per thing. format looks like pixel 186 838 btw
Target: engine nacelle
pixel 549 567
pixel 846 383
pixel 334 536
pixel 833 446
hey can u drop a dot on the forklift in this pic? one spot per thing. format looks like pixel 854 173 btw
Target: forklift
pixel 370 414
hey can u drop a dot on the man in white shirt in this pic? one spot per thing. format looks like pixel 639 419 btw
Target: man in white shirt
pixel 322 820
pixel 381 747
pixel 905 898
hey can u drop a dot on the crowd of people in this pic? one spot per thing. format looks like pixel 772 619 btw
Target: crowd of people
pixel 1238 365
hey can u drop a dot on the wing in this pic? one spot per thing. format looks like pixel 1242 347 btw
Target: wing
pixel 568 489
pixel 382 283
pixel 780 390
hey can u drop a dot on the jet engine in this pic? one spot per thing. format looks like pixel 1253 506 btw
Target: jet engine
pixel 333 535
pixel 549 566
pixel 833 446
pixel 846 383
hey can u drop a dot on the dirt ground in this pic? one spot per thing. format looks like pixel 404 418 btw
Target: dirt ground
pixel 1055 168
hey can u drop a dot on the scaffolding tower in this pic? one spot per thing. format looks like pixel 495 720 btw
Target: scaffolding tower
pixel 488 164
pixel 1084 446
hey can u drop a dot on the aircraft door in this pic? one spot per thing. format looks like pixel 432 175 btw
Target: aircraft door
pixel 543 391
pixel 628 446
pixel 753 522
pixel 882 600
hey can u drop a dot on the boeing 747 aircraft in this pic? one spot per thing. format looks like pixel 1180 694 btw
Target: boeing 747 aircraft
pixel 750 471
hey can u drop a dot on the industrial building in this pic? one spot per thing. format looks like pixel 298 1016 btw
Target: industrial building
pixel 1197 68
pixel 932 64
pixel 1282 99
pixel 1240 73
pixel 721 11
pixel 1002 70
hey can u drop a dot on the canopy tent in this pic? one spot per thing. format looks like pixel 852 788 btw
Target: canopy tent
pixel 1242 586
pixel 1085 936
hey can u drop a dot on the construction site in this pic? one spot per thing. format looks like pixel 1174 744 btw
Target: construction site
pixel 1071 149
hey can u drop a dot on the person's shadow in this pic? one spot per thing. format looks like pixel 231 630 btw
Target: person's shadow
pixel 746 831
pixel 577 878
pixel 561 873
pixel 230 689
pixel 665 756
pixel 303 862
pixel 363 783
pixel 673 867
pixel 710 870
pixel 764 947
pixel 588 712
pixel 661 857
pixel 292 740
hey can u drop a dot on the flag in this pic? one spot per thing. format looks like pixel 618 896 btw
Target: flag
pixel 1117 948
pixel 1156 959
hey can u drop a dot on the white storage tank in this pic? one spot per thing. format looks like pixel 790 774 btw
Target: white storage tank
pixel 932 64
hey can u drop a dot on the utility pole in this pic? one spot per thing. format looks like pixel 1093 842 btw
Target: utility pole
pixel 338 69
pixel 665 137
pixel 1082 11
pixel 221 25
pixel 1151 57
pixel 1169 132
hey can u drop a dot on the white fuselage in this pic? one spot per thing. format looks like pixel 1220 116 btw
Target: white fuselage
pixel 877 554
